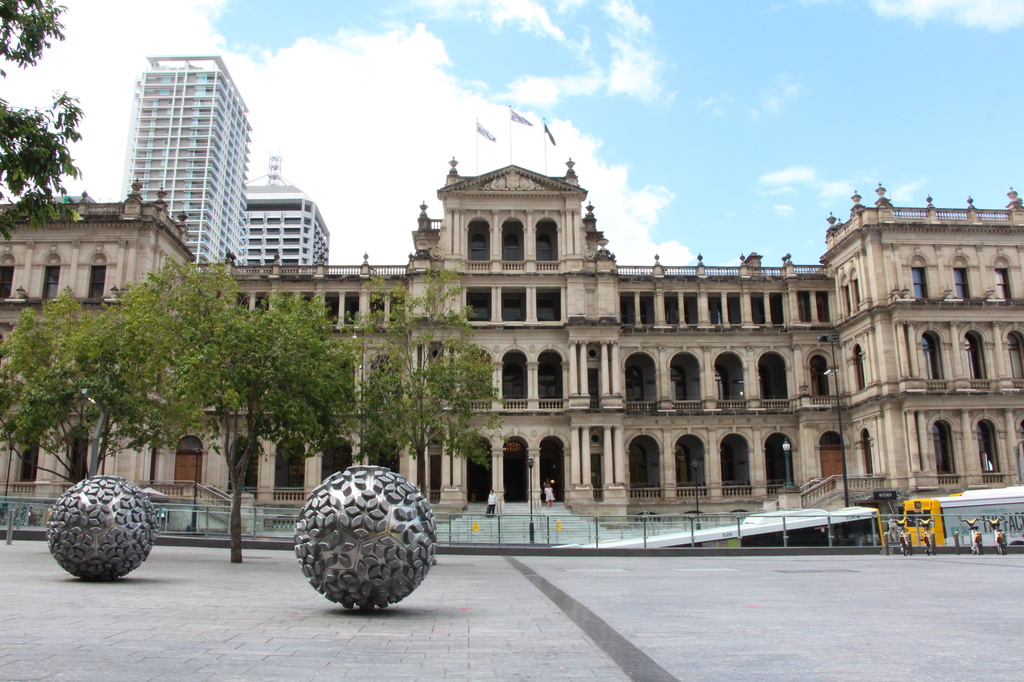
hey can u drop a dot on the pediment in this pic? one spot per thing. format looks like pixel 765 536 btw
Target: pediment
pixel 511 179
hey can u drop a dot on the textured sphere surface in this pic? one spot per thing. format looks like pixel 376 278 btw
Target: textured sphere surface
pixel 102 528
pixel 366 537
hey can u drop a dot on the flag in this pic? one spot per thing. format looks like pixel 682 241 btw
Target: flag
pixel 550 136
pixel 483 131
pixel 519 119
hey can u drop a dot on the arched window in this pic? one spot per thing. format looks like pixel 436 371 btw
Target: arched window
pixel 865 451
pixel 512 385
pixel 546 240
pixel 1014 346
pixel 819 379
pixel 932 359
pixel 512 240
pixel 549 375
pixel 858 366
pixel 987 446
pixel 634 383
pixel 771 373
pixel 290 466
pixel 942 441
pixel 478 247
pixel 544 247
pixel 975 358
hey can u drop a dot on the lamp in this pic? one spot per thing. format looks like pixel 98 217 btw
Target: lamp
pixel 832 340
pixel 529 494
pixel 787 454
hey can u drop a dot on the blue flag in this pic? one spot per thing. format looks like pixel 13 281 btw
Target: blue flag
pixel 519 119
pixel 483 131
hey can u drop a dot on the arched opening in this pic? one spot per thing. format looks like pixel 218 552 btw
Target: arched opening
pixel 644 463
pixel 547 241
pixel 685 376
pixel 188 460
pixel 690 468
pixel 771 371
pixel 930 347
pixel 942 442
pixel 818 367
pixel 512 240
pixel 975 356
pixel 597 458
pixel 987 446
pixel 858 367
pixel 729 377
pixel 29 464
pixel 865 452
pixel 735 459
pixel 1014 345
pixel 290 466
pixel 336 457
pixel 552 466
pixel 640 378
pixel 478 474
pixel 479 240
pixel 830 454
pixel 515 471
pixel 775 469
pixel 549 375
pixel 513 376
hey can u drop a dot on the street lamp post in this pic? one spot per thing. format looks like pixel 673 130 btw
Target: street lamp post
pixel 695 465
pixel 529 493
pixel 101 422
pixel 832 340
pixel 787 454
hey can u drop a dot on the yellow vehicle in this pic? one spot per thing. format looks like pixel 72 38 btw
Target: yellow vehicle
pixel 950 512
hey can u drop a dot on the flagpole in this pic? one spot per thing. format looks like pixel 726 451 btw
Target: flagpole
pixel 544 141
pixel 510 135
pixel 476 136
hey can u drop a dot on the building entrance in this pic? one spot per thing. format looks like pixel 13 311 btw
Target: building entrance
pixel 515 472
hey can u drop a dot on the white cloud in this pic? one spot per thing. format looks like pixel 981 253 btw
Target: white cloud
pixel 909 193
pixel 794 174
pixel 783 209
pixel 625 15
pixel 716 104
pixel 634 71
pixel 546 92
pixel 338 110
pixel 994 15
pixel 776 99
pixel 528 15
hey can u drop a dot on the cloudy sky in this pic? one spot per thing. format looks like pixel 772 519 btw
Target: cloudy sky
pixel 718 127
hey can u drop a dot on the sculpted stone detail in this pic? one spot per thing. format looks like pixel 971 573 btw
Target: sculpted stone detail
pixel 513 182
pixel 365 538
pixel 101 528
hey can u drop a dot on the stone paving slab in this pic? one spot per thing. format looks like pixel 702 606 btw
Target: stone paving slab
pixel 188 614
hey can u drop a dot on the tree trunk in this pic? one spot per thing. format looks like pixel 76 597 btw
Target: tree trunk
pixel 236 520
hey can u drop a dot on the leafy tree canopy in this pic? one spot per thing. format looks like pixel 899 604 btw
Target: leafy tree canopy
pixel 34 154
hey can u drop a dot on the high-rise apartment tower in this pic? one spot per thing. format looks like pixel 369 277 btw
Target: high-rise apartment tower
pixel 190 138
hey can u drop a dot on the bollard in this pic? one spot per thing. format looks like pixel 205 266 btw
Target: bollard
pixel 558 526
pixel 476 526
pixel 10 523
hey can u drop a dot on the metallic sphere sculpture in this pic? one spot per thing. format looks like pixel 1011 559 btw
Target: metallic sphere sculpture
pixel 366 537
pixel 101 528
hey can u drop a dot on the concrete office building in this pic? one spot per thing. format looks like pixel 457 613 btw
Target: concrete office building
pixel 190 138
pixel 284 224
pixel 899 357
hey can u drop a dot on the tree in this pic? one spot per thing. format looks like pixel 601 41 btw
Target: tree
pixel 61 366
pixel 275 374
pixel 423 378
pixel 34 143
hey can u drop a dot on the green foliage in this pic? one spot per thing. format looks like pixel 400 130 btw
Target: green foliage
pixel 34 143
pixel 422 375
pixel 273 374
pixel 49 359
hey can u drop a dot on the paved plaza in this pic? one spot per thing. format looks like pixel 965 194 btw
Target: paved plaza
pixel 188 614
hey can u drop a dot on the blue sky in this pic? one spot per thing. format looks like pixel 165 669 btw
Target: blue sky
pixel 719 127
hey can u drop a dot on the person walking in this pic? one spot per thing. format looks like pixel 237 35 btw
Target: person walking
pixel 492 502
pixel 549 493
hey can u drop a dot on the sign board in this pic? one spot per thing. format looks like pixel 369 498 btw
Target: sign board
pixel 886 495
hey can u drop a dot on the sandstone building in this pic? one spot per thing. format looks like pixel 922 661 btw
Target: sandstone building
pixel 657 387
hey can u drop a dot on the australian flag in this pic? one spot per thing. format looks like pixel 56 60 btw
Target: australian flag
pixel 483 131
pixel 519 119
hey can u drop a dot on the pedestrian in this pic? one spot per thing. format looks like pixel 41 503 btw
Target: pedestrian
pixel 549 493
pixel 492 502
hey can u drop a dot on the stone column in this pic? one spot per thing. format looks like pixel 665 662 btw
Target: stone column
pixel 605 370
pixel 616 378
pixel 574 369
pixel 586 477
pixel 608 460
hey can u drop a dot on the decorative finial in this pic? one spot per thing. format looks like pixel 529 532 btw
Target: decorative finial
pixel 1015 200
pixel 785 259
pixel 880 191
pixel 453 163
pixel 831 219
pixel 657 259
pixel 700 258
pixel 366 259
pixel 590 209
pixel 742 258
pixel 423 207
pixel 856 198
pixel 929 200
pixel 970 202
